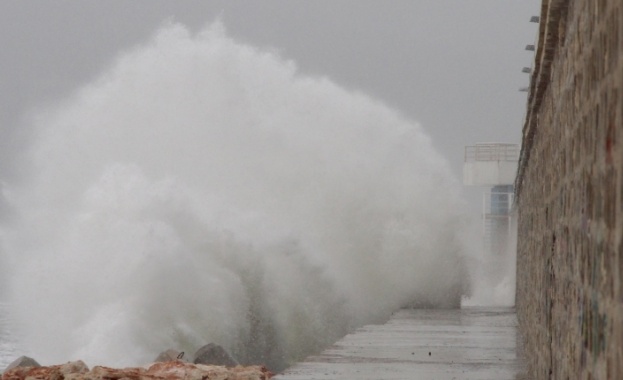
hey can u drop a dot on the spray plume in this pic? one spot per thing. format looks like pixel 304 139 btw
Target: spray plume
pixel 202 190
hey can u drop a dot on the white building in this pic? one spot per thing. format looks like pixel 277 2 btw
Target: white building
pixel 493 166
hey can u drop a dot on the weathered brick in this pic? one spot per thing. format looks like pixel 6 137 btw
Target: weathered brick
pixel 570 195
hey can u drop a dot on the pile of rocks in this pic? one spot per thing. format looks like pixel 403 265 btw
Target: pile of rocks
pixel 211 354
pixel 211 362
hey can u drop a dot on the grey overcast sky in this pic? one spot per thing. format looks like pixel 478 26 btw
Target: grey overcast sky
pixel 452 65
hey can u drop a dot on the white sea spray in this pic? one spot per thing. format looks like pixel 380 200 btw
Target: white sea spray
pixel 202 190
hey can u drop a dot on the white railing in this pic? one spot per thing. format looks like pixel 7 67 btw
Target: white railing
pixel 492 152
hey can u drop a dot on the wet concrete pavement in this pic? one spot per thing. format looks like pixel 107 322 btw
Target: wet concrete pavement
pixel 471 343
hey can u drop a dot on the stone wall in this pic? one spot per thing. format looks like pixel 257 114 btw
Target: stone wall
pixel 569 194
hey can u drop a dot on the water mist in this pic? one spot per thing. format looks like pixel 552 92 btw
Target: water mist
pixel 202 190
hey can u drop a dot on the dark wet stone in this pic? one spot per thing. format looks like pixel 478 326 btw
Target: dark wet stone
pixel 215 355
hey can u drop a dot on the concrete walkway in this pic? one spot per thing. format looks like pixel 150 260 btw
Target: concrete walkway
pixel 471 343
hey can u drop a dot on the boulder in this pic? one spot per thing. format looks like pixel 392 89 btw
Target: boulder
pixel 23 361
pixel 69 371
pixel 73 368
pixel 215 355
pixel 170 355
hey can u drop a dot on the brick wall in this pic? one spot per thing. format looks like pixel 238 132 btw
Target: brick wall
pixel 569 193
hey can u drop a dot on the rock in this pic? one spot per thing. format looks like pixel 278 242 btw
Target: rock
pixel 22 373
pixel 106 373
pixel 214 354
pixel 171 370
pixel 187 371
pixel 178 370
pixel 170 355
pixel 73 368
pixel 32 373
pixel 23 361
pixel 252 373
pixel 69 371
